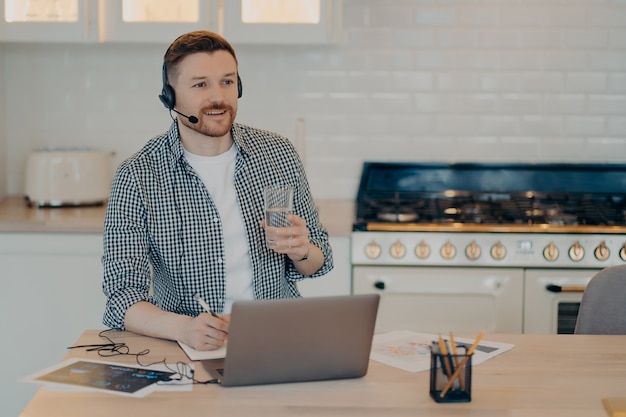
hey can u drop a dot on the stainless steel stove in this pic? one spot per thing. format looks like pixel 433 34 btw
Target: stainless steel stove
pixel 527 227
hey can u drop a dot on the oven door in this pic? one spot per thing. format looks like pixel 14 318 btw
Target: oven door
pixel 552 298
pixel 443 299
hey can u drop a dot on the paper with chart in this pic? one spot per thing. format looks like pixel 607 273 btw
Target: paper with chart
pixel 411 350
pixel 111 377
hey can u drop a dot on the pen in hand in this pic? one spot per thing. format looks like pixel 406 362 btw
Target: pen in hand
pixel 204 305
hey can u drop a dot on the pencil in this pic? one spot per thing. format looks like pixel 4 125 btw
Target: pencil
pixel 444 357
pixel 453 344
pixel 457 361
pixel 204 305
pixel 456 374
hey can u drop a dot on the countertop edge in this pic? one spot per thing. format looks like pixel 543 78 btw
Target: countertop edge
pixel 17 217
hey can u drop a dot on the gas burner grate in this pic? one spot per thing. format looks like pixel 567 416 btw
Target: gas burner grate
pixel 476 209
pixel 493 194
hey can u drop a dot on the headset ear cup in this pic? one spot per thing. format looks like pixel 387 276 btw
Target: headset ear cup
pixel 167 96
pixel 239 87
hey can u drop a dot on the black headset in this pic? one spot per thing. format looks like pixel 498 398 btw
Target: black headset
pixel 168 97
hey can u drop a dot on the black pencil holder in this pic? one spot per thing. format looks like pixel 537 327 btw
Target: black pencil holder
pixel 443 368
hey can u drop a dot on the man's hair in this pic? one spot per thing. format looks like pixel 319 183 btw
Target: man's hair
pixel 190 43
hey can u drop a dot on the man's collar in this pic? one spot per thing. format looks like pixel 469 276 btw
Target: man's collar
pixel 240 139
pixel 176 145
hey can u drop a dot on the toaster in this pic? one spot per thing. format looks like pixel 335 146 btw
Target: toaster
pixel 67 177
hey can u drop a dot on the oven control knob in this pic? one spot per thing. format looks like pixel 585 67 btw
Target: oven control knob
pixel 422 250
pixel 622 252
pixel 397 250
pixel 448 251
pixel 602 252
pixel 472 251
pixel 576 252
pixel 551 252
pixel 498 251
pixel 372 250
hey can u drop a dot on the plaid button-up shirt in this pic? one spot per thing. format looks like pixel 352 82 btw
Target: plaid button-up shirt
pixel 163 233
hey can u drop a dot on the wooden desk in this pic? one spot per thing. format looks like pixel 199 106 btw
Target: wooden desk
pixel 543 375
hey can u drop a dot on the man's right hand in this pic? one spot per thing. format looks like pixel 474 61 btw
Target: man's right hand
pixel 206 332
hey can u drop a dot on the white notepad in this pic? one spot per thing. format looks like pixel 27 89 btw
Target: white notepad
pixel 197 355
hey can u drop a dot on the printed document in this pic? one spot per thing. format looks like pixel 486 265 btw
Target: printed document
pixel 410 351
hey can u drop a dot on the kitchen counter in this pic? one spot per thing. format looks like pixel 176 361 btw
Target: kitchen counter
pixel 15 216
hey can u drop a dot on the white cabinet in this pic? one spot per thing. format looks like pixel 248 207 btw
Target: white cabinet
pixel 153 20
pixel 48 21
pixel 336 282
pixel 51 292
pixel 158 21
pixel 280 21
pixel 161 21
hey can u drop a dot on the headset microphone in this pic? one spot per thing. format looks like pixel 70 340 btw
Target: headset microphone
pixel 192 119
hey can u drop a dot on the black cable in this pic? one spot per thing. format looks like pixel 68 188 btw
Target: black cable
pixel 183 371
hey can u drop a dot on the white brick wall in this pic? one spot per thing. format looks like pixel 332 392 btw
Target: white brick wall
pixel 419 80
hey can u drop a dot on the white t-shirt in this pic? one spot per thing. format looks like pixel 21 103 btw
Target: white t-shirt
pixel 218 175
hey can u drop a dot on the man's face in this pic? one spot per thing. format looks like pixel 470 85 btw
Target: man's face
pixel 206 87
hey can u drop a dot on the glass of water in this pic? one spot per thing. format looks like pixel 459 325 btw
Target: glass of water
pixel 278 204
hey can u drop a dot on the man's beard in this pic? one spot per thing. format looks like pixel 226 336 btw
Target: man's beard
pixel 213 129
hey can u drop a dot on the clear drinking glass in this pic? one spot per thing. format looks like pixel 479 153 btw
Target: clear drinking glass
pixel 278 204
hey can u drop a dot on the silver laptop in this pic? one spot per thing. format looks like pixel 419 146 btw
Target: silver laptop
pixel 297 340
